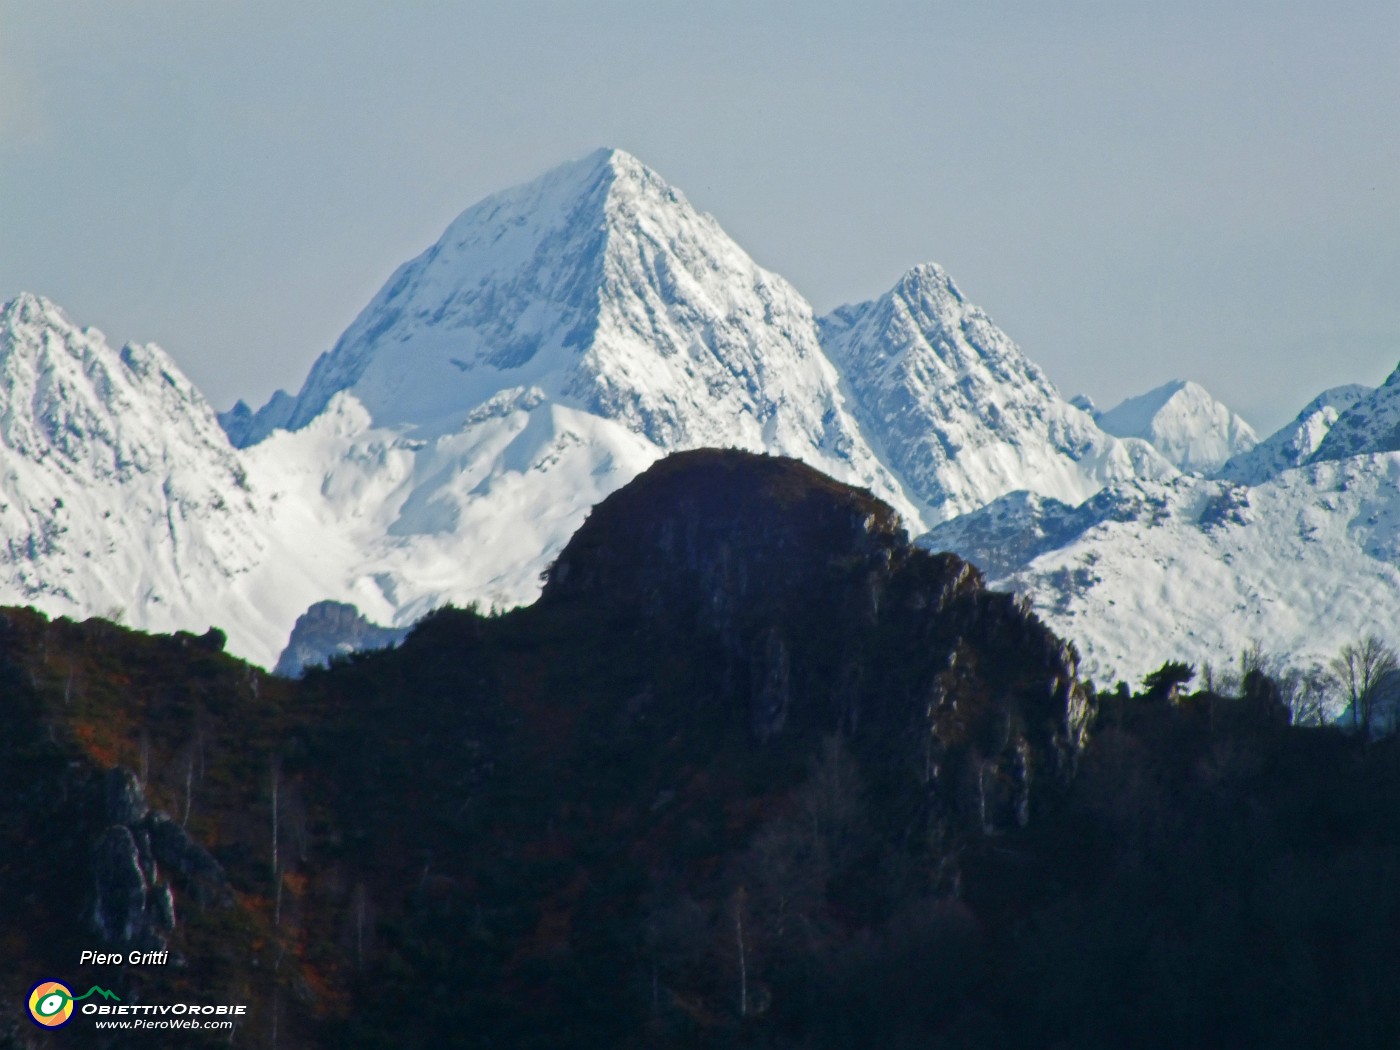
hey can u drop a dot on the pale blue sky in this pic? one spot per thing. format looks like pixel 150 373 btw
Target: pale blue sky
pixel 1135 191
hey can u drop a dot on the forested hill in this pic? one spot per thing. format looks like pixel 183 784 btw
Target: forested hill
pixel 752 772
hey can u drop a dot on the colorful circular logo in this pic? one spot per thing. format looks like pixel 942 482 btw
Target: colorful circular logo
pixel 50 1004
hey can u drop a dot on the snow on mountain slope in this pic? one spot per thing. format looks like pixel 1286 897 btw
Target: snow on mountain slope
pixel 1372 424
pixel 118 490
pixel 1294 443
pixel 599 286
pixel 563 335
pixel 404 525
pixel 1198 569
pixel 1183 422
pixel 958 412
pixel 121 496
pixel 557 339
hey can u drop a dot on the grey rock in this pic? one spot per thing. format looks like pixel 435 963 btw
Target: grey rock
pixel 329 629
pixel 125 801
pixel 161 907
pixel 144 856
pixel 187 859
pixel 119 911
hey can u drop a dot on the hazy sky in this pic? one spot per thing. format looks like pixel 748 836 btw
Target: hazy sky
pixel 1135 191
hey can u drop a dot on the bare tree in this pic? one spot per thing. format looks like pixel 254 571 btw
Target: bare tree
pixel 189 763
pixel 1360 668
pixel 293 824
pixel 144 761
pixel 743 952
pixel 831 801
pixel 1252 659
pixel 361 922
pixel 276 858
pixel 1304 692
pixel 792 859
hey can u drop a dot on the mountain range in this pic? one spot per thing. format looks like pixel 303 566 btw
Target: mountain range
pixel 754 771
pixel 562 336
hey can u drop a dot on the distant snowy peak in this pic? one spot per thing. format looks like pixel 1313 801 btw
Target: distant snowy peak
pixel 599 286
pixel 1297 442
pixel 1371 424
pixel 118 489
pixel 1198 569
pixel 958 410
pixel 1183 422
pixel 68 398
pixel 511 286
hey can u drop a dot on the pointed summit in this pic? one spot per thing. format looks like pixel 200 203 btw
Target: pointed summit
pixel 960 413
pixel 597 288
pixel 1184 423
pixel 512 278
pixel 65 393
pixel 28 308
pixel 556 340
pixel 119 489
pixel 597 283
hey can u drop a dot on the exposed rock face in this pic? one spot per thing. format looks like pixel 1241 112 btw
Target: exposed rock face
pixel 126 802
pixel 772 690
pixel 330 629
pixel 161 906
pixel 957 410
pixel 190 861
pixel 120 914
pixel 133 907
pixel 743 695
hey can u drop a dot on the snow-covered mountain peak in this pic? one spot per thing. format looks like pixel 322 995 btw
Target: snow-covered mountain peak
pixel 510 279
pixel 557 339
pixel 119 490
pixel 597 282
pixel 600 286
pixel 1139 410
pixel 1183 422
pixel 26 308
pixel 959 411
pixel 65 393
pixel 1371 424
pixel 929 282
pixel 1296 442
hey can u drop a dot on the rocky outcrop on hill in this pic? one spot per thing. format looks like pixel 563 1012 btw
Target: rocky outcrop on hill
pixel 329 629
pixel 133 903
pixel 799 581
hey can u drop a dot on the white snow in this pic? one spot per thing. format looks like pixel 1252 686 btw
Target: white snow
pixel 1297 442
pixel 1182 421
pixel 119 493
pixel 1371 424
pixel 1199 569
pixel 602 288
pixel 959 412
pixel 562 336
